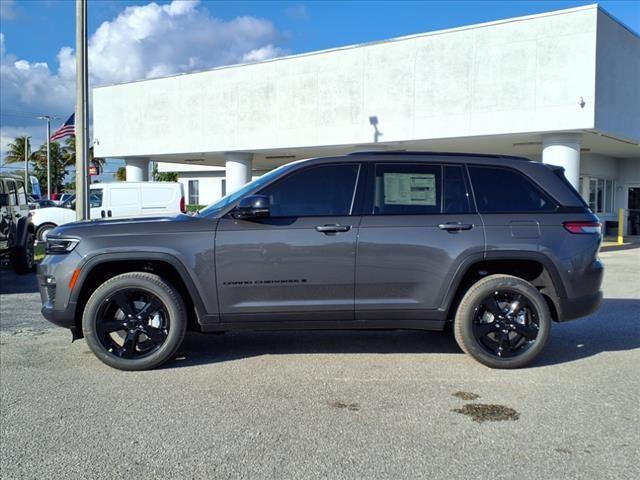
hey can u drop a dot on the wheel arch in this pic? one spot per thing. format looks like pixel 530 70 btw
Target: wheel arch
pixel 24 227
pixel 530 266
pixel 102 267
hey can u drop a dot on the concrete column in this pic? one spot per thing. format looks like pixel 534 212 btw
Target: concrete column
pixel 563 149
pixel 137 169
pixel 238 170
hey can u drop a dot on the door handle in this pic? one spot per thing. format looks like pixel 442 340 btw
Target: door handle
pixel 332 229
pixel 455 226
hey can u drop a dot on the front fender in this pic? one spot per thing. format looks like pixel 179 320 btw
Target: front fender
pixel 203 311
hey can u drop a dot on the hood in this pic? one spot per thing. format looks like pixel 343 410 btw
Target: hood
pixel 125 226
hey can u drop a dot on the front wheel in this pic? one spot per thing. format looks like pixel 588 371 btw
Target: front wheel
pixel 43 230
pixel 502 322
pixel 134 321
pixel 22 257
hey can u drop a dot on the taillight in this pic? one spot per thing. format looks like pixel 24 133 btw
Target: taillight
pixel 183 207
pixel 583 227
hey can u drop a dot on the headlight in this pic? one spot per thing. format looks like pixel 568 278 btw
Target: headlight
pixel 60 245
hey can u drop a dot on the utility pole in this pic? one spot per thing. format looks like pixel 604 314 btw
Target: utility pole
pixel 26 164
pixel 82 113
pixel 48 119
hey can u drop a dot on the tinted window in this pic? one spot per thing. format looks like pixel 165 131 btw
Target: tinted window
pixel 11 190
pixel 95 198
pixel 456 195
pixel 407 189
pixel 317 191
pixel 503 190
pixel 194 192
pixel 22 195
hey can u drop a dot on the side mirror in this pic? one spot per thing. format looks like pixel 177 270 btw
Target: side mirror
pixel 4 199
pixel 253 206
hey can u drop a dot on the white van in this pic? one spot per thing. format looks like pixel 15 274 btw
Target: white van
pixel 116 200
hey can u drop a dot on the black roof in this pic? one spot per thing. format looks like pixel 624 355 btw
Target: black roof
pixel 438 154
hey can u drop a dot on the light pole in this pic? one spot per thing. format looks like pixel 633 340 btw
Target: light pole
pixel 26 163
pixel 82 113
pixel 48 119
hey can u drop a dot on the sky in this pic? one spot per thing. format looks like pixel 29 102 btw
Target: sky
pixel 131 40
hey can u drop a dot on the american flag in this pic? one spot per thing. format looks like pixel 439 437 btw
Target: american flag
pixel 67 129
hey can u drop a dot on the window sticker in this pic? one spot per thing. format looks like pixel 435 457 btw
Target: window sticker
pixel 410 189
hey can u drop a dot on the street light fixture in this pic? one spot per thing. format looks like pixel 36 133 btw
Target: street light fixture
pixel 48 118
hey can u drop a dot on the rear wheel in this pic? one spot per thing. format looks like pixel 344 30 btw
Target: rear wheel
pixel 134 321
pixel 22 257
pixel 502 322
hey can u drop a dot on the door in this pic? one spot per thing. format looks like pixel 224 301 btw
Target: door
pixel 123 201
pixel 5 218
pixel 298 263
pixel 420 224
pixel 12 214
pixel 633 206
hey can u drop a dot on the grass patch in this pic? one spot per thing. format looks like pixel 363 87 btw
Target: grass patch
pixel 38 253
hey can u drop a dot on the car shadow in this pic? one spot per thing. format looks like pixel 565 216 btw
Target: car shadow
pixel 615 327
pixel 12 283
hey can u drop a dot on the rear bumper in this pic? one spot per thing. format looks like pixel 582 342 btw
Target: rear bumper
pixel 572 308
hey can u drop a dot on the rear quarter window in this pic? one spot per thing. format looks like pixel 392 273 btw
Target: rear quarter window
pixel 503 190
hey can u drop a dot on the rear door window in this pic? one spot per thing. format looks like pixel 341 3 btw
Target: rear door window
pixel 502 190
pixel 407 189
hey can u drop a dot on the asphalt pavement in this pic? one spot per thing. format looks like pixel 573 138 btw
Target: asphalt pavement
pixel 331 405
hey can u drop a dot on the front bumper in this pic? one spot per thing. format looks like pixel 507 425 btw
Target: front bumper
pixel 58 306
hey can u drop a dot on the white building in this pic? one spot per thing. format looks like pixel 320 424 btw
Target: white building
pixel 561 87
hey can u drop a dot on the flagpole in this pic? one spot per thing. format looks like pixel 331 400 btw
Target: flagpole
pixel 81 118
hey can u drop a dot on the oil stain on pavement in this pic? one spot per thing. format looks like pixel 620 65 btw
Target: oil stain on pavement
pixel 481 412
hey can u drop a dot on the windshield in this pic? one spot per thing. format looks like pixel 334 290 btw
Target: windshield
pixel 214 208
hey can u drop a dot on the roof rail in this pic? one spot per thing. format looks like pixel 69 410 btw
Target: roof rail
pixel 440 154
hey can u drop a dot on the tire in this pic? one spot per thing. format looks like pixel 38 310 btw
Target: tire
pixel 22 257
pixel 473 319
pixel 128 285
pixel 43 230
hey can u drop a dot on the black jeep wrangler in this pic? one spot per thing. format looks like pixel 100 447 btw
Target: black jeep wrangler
pixel 16 230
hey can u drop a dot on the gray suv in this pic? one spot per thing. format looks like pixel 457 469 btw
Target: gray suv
pixel 498 246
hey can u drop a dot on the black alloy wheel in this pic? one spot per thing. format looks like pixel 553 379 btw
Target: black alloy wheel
pixel 502 321
pixel 135 321
pixel 132 323
pixel 505 323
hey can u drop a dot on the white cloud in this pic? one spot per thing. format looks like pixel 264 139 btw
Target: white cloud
pixel 141 42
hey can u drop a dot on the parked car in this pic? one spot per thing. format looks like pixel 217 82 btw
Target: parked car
pixel 16 229
pixel 65 197
pixel 499 246
pixel 45 203
pixel 114 200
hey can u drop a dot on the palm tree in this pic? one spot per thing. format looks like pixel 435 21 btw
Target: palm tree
pixel 15 152
pixel 71 152
pixel 60 161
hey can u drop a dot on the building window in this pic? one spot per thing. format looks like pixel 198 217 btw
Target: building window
pixel 194 193
pixel 598 193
